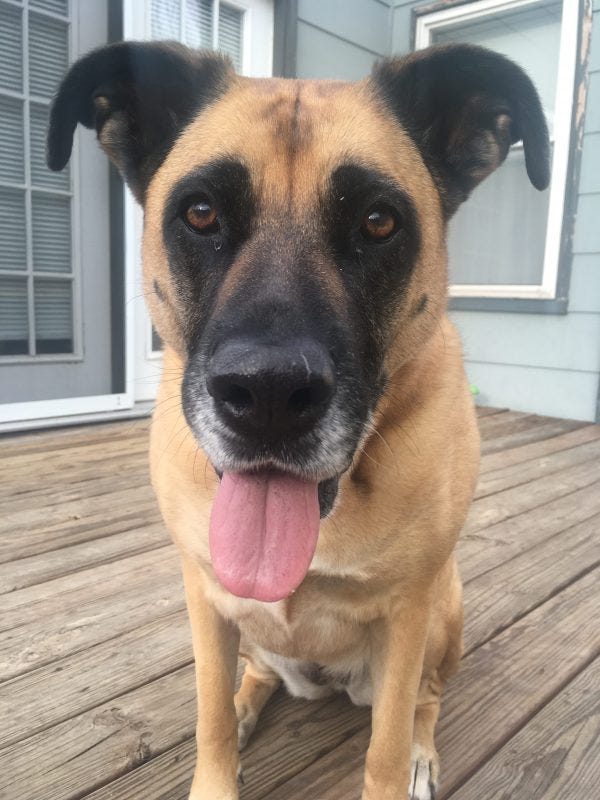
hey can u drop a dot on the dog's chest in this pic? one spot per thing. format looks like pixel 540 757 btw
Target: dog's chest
pixel 297 628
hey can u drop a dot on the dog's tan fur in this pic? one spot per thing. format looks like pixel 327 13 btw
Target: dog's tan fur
pixel 383 588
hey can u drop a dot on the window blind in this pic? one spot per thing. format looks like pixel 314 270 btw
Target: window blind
pixel 198 23
pixel 36 270
pixel 230 33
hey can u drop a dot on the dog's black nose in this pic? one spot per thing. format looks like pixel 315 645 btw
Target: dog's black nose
pixel 271 389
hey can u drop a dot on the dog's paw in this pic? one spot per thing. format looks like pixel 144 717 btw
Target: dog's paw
pixel 422 786
pixel 424 774
pixel 246 724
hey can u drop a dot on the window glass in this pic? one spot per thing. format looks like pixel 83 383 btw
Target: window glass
pixel 498 236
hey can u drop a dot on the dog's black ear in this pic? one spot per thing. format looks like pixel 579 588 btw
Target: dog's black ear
pixel 464 106
pixel 138 96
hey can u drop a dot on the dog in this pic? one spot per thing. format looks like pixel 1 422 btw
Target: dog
pixel 295 263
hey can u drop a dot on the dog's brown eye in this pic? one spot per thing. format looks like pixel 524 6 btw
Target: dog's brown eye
pixel 202 217
pixel 379 224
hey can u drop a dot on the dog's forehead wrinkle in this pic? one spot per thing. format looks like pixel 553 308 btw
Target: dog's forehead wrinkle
pixel 292 134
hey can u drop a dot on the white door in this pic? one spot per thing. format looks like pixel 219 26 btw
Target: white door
pixel 244 30
pixel 58 351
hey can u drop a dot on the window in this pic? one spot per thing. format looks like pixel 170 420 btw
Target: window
pixel 36 264
pixel 505 241
pixel 208 24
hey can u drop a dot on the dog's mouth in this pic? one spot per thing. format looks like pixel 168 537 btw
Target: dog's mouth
pixel 264 529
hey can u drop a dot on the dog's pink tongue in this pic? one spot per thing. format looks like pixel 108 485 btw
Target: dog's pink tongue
pixel 263 533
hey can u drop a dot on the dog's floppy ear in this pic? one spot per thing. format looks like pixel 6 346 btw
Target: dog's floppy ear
pixel 138 96
pixel 464 106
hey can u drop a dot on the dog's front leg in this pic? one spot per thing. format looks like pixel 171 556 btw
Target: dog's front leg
pixel 398 648
pixel 216 643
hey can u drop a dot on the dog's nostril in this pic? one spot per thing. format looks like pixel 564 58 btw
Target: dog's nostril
pixel 300 400
pixel 308 398
pixel 238 398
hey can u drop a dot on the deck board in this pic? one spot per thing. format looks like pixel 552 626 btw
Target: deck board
pixel 96 677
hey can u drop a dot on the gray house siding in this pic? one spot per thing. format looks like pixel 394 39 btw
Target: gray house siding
pixel 341 38
pixel 541 363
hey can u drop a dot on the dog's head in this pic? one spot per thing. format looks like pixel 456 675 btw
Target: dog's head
pixel 295 230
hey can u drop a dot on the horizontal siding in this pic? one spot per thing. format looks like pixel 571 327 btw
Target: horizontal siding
pixel 590 164
pixel 570 341
pixel 401 29
pixel 592 111
pixel 587 226
pixel 361 22
pixel 584 294
pixel 337 58
pixel 594 62
pixel 554 392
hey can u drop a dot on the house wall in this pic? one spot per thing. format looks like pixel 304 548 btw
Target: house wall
pixel 540 363
pixel 341 38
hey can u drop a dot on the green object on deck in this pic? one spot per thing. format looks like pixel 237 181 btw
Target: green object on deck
pixel 473 389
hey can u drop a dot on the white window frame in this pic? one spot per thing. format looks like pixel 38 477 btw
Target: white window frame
pixel 565 83
pixel 257 61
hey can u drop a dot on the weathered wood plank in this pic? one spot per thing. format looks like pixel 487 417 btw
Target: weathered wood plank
pixel 511 502
pixel 44 441
pixel 499 596
pixel 519 474
pixel 505 681
pixel 63 532
pixel 89 620
pixel 43 600
pixel 75 756
pixel 99 550
pixel 545 447
pixel 488 411
pixel 89 482
pixel 29 466
pixel 486 548
pixel 46 518
pixel 534 434
pixel 59 691
pixel 554 757
pixel 509 422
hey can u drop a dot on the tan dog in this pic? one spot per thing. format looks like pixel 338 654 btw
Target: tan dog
pixel 294 255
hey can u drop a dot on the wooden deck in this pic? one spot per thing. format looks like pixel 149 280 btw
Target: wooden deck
pixel 97 694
